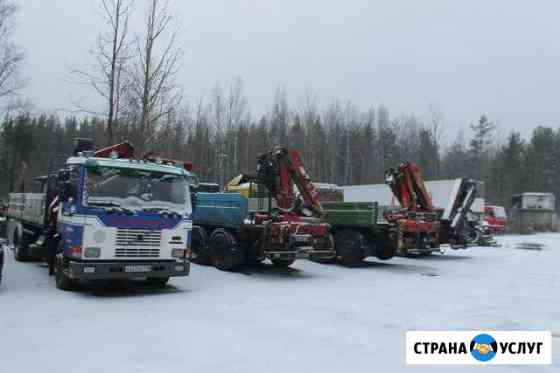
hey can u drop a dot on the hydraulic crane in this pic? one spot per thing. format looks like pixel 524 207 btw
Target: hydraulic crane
pixel 261 216
pixel 280 170
pixel 416 225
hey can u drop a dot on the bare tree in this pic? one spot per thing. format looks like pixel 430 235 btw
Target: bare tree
pixel 438 131
pixel 11 56
pixel 154 83
pixel 110 54
pixel 236 113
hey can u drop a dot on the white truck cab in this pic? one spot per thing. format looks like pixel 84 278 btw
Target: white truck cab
pixel 117 218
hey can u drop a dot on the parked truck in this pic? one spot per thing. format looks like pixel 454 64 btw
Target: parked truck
pixel 356 231
pixel 435 211
pixel 105 215
pixel 260 217
pixel 496 218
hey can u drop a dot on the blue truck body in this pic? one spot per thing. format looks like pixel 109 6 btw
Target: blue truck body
pixel 228 210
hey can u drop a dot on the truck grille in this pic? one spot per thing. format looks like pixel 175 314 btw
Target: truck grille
pixel 138 238
pixel 136 253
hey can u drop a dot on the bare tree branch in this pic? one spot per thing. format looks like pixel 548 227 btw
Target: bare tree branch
pixel 11 56
pixel 109 55
pixel 153 78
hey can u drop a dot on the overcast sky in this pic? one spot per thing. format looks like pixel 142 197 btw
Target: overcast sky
pixel 499 57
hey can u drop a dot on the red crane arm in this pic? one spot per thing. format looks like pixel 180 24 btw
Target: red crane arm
pixel 408 186
pixel 288 166
pixel 122 150
pixel 303 182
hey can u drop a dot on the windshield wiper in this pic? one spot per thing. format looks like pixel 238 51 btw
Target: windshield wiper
pixel 160 210
pixel 112 204
pixel 103 204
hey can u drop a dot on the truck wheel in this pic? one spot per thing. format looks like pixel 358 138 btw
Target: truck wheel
pixel 283 263
pixel 63 281
pixel 157 281
pixel 472 236
pixel 21 247
pixel 225 253
pixel 199 244
pixel 349 246
pixel 384 250
pixel 384 253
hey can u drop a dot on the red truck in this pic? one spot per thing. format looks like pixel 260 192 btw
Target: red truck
pixel 496 218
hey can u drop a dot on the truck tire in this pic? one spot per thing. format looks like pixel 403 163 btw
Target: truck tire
pixel 384 250
pixel 225 253
pixel 283 263
pixel 157 281
pixel 349 246
pixel 200 249
pixel 21 246
pixel 472 236
pixel 62 280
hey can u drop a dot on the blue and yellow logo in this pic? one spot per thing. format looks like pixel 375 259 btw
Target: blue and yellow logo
pixel 484 347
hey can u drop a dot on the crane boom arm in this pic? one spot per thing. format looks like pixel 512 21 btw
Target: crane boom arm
pixel 408 186
pixel 123 150
pixel 279 170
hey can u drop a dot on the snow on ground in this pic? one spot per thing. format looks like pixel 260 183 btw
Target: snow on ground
pixel 311 318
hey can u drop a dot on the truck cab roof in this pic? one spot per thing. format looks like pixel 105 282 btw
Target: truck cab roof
pixel 128 163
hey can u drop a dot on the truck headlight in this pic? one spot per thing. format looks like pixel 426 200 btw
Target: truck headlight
pixel 178 253
pixel 92 252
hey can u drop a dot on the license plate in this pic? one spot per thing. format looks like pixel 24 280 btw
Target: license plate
pixel 137 268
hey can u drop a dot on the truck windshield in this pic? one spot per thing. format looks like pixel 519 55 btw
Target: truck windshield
pixel 136 190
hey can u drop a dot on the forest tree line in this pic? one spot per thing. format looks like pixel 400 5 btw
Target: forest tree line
pixel 134 71
pixel 339 144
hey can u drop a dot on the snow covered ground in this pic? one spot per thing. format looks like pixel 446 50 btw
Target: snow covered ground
pixel 311 318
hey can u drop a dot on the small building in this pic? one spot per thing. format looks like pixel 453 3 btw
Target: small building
pixel 533 212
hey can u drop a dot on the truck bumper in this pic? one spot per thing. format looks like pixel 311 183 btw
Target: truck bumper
pixel 121 270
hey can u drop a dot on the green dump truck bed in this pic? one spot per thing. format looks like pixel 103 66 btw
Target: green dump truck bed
pixel 351 214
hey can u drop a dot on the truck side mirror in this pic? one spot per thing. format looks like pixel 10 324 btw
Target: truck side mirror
pixel 63 192
pixel 63 176
pixel 67 191
pixel 64 185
